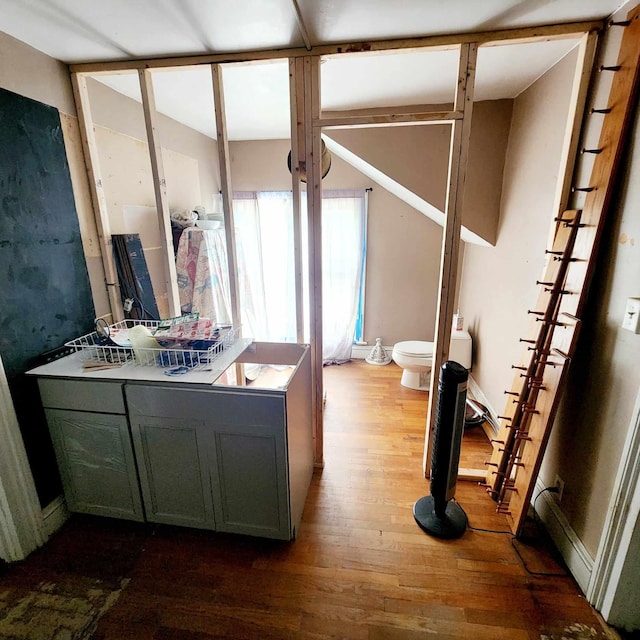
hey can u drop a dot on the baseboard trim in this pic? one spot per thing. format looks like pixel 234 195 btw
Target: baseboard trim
pixel 573 552
pixel 362 351
pixel 54 515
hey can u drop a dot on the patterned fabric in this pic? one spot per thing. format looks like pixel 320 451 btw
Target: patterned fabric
pixel 201 266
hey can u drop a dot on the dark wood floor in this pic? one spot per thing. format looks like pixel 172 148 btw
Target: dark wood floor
pixel 360 568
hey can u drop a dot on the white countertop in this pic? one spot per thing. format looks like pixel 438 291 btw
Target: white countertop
pixel 71 367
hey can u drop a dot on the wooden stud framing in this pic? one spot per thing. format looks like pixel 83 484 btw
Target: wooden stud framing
pixel 296 96
pixel 307 122
pixel 160 190
pixel 450 41
pixel 577 102
pixel 314 211
pixel 92 162
pixel 356 118
pixel 460 133
pixel 227 191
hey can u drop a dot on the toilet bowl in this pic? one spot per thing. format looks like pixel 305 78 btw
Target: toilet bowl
pixel 415 357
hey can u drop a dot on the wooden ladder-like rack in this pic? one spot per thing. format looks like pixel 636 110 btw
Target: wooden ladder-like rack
pixel 533 400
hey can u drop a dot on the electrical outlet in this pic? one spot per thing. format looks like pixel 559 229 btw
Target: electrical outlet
pixel 631 319
pixel 559 485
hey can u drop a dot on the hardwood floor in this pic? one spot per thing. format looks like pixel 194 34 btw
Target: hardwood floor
pixel 360 568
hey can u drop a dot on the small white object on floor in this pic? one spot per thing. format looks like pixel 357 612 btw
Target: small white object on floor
pixel 378 354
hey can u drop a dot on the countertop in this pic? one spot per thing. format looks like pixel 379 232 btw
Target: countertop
pixel 71 367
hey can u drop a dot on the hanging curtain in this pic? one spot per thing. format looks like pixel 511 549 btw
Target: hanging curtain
pixel 203 275
pixel 343 235
pixel 264 227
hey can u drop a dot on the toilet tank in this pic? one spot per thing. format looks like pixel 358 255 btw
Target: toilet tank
pixel 460 348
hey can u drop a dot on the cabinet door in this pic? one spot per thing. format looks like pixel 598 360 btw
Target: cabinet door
pixel 96 462
pixel 175 485
pixel 249 478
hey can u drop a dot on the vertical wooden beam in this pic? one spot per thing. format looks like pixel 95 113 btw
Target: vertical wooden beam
pixel 92 162
pixel 577 102
pixel 160 191
pixel 459 152
pixel 296 97
pixel 227 191
pixel 314 211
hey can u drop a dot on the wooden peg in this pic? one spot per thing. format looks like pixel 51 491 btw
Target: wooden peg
pixel 512 393
pixel 553 253
pixel 504 418
pixel 584 189
pixel 561 292
pixel 546 284
pixel 603 111
pixel 515 366
pixel 614 67
pixel 535 313
pixel 619 23
pixel 490 464
pixel 594 151
pixel 525 340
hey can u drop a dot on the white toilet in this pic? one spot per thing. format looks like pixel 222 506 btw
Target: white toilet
pixel 415 358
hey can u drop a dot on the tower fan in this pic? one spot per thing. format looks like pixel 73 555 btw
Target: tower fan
pixel 437 514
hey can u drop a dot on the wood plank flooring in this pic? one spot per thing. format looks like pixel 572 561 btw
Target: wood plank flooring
pixel 360 568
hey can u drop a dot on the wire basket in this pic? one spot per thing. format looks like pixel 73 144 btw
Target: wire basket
pixel 197 354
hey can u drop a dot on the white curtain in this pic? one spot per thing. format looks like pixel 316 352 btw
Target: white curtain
pixel 343 232
pixel 264 228
pixel 264 231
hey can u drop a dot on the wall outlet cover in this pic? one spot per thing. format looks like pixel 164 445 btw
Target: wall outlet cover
pixel 631 319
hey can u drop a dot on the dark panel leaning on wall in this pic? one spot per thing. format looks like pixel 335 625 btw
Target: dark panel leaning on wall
pixel 45 299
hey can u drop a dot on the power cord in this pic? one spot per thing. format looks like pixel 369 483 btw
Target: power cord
pixel 513 538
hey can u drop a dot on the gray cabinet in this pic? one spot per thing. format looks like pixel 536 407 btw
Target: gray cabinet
pixel 224 468
pixel 225 458
pixel 96 463
pixel 248 473
pixel 173 472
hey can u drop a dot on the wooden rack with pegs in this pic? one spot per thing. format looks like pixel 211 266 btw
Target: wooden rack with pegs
pixel 524 431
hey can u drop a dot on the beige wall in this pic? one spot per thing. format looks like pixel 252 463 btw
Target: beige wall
pixel 33 74
pixel 403 245
pixel 498 286
pixel 417 157
pixel 499 283
pixel 604 380
pixel 403 258
pixel 30 73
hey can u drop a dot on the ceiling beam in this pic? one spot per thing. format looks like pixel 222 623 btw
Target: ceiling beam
pixel 355 117
pixel 301 25
pixel 520 35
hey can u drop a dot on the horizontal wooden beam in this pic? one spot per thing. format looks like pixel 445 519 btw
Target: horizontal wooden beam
pixel 524 34
pixel 355 118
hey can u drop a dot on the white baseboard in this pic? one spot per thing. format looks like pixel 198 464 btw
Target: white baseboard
pixel 573 552
pixel 362 351
pixel 55 514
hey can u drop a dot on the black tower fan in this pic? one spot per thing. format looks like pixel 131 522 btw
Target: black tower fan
pixel 437 514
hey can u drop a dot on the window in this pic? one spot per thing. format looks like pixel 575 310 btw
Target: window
pixel 264 235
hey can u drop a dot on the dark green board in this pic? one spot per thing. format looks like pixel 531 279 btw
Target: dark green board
pixel 45 298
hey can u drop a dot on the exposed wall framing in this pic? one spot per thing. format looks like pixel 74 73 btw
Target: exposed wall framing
pixel 307 121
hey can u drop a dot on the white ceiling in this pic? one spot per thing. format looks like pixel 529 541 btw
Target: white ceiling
pixel 257 95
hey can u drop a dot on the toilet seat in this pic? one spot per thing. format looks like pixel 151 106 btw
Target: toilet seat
pixel 414 349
